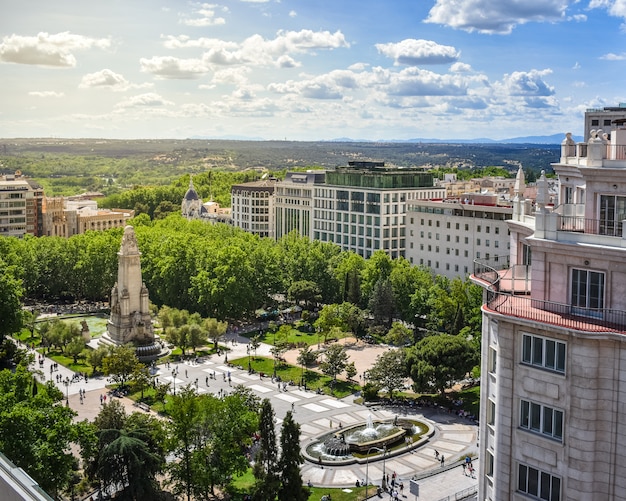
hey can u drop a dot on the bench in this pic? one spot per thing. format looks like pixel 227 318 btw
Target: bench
pixel 143 406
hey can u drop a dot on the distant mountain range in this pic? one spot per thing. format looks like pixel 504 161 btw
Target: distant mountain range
pixel 553 139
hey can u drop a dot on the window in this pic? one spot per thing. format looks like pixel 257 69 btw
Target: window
pixel 543 352
pixel 539 484
pixel 492 360
pixel 541 419
pixel 587 291
pixel 491 412
pixel 489 464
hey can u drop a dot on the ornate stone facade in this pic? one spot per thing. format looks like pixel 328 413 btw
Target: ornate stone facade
pixel 130 320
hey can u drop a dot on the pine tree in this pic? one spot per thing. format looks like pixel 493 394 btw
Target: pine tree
pixel 292 488
pixel 265 469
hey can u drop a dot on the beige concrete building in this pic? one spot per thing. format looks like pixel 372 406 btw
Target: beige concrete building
pixel 65 217
pixel 447 235
pixel 20 206
pixel 553 383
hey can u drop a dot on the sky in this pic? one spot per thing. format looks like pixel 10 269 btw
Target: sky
pixel 308 69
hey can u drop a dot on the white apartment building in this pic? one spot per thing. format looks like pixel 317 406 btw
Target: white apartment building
pixel 293 202
pixel 447 235
pixel 252 207
pixel 20 206
pixel 363 207
pixel 603 118
pixel 553 384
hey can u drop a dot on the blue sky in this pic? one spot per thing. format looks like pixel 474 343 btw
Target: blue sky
pixel 308 69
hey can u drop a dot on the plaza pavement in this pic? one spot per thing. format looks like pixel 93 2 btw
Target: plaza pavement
pixel 454 437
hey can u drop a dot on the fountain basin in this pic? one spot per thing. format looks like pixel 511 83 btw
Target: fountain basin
pixel 323 449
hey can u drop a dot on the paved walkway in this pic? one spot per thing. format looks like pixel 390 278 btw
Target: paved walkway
pixel 454 437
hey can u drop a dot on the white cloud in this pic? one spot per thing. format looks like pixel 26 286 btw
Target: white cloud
pixel 615 8
pixel 417 52
pixel 46 93
pixel 418 82
pixel 614 57
pixel 149 99
pixel 328 86
pixel 205 16
pixel 235 76
pixel 104 78
pixel 286 61
pixel 259 51
pixel 528 83
pixel 173 67
pixel 460 68
pixel 501 16
pixel 45 49
pixel 293 13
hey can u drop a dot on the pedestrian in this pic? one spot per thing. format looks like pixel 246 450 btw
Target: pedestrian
pixel 293 410
pixel 100 398
pixel 207 380
pixel 186 373
pixel 442 460
pixel 436 454
pixel 464 468
pixel 401 486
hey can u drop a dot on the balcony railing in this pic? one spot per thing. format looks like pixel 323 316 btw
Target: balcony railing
pixel 548 312
pixel 580 224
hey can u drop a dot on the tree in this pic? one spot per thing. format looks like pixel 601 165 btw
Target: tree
pixel 335 361
pixel 382 303
pixel 121 363
pixel 126 463
pixel 184 414
pixel 306 357
pixel 255 342
pixel 96 357
pixel 291 488
pixel 10 300
pixel 438 360
pixel 399 335
pixel 351 370
pixel 197 337
pixel 389 371
pixel 141 379
pixel 215 330
pixel 304 290
pixel 75 348
pixel 37 433
pixel 266 467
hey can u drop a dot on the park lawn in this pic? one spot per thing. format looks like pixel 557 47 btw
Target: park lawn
pixel 287 372
pixel 243 484
pixel 62 359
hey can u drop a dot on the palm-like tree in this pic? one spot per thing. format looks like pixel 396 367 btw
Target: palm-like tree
pixel 127 463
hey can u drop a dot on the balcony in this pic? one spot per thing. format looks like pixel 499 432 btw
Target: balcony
pixel 506 296
pixel 578 224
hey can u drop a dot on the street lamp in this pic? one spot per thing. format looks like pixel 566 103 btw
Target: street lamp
pixel 174 380
pixel 67 396
pixel 367 464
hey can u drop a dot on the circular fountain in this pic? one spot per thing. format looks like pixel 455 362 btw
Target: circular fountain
pixel 352 443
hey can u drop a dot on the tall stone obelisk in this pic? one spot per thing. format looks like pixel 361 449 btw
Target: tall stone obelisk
pixel 130 320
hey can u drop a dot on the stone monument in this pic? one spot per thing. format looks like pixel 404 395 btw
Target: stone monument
pixel 130 320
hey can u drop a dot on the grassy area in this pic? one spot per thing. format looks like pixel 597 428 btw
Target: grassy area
pixel 287 372
pixel 61 359
pixel 244 483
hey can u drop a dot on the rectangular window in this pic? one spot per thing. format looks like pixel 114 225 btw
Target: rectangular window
pixel 543 352
pixel 491 412
pixel 538 484
pixel 587 292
